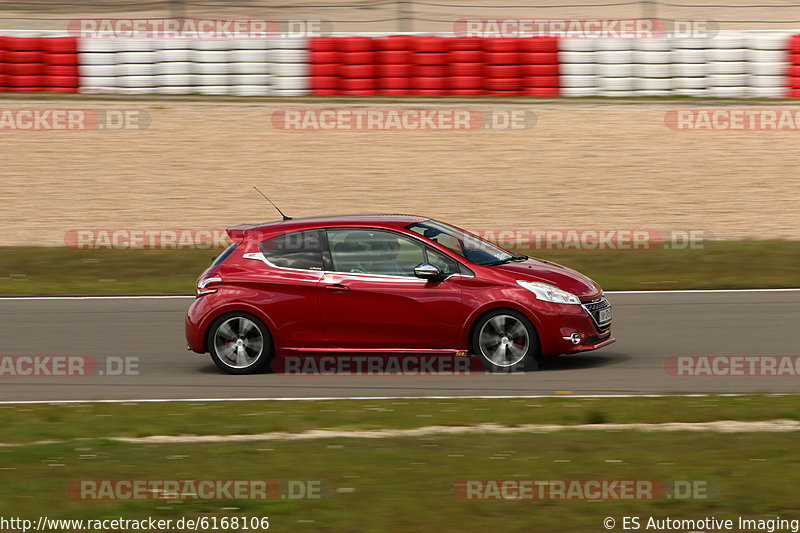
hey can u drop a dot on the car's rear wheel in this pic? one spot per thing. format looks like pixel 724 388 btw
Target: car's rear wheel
pixel 240 343
pixel 506 341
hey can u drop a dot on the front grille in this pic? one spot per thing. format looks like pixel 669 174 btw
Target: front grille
pixel 594 308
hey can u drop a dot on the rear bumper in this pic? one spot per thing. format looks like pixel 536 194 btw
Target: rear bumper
pixel 195 340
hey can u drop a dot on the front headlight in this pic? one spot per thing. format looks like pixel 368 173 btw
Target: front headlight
pixel 549 293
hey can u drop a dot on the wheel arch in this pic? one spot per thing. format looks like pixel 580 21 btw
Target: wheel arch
pixel 239 308
pixel 500 306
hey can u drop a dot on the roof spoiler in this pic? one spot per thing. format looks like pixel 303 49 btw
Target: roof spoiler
pixel 237 233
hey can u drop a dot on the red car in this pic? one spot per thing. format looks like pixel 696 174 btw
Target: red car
pixel 400 284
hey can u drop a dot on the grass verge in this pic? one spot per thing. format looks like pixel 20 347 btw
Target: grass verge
pixel 721 265
pixel 405 483
pixel 30 423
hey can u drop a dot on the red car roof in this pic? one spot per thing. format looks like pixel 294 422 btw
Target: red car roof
pixel 237 233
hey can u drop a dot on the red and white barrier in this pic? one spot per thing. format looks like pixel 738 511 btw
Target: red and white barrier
pixel 793 74
pixel 428 65
pixel 730 65
pixel 35 64
pixel 465 66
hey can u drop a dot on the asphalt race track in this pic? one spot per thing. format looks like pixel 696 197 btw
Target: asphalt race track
pixel 648 327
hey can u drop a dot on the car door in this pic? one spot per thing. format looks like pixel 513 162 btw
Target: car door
pixel 371 299
pixel 285 273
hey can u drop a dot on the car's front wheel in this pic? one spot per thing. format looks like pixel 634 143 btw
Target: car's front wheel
pixel 506 341
pixel 240 343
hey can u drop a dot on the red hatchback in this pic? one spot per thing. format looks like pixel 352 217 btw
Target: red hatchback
pixel 400 284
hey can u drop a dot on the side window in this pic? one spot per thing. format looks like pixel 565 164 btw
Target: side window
pixel 368 251
pixel 224 255
pixel 301 250
pixel 444 263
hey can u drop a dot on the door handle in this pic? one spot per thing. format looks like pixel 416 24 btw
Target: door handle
pixel 337 287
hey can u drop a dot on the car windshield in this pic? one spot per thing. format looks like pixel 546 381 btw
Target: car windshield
pixel 470 247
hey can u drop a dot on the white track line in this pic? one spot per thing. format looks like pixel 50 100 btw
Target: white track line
pixel 178 297
pixel 371 398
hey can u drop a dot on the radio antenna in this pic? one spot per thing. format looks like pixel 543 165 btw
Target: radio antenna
pixel 273 205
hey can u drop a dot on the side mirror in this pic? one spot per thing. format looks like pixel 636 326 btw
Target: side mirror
pixel 427 271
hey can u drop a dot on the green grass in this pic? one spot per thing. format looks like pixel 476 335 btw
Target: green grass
pixel 41 422
pixel 739 264
pixel 40 270
pixel 721 265
pixel 404 483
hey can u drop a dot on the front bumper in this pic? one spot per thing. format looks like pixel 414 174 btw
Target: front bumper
pixel 592 343
pixel 567 329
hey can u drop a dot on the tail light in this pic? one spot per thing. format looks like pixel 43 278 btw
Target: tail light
pixel 203 285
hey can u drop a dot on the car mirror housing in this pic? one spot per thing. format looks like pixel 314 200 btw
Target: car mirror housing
pixel 427 271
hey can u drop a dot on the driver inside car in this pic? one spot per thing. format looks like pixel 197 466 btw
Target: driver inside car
pixel 383 257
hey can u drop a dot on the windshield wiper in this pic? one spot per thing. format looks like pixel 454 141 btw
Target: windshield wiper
pixel 518 257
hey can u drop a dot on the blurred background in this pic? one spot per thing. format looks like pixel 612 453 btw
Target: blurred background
pixel 405 15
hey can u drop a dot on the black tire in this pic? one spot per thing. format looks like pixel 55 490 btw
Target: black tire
pixel 240 343
pixel 517 345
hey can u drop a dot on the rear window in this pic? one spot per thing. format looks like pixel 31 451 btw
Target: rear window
pixel 300 249
pixel 224 255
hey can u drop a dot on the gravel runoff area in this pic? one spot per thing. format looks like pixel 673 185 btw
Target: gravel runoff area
pixel 583 165
pixel 381 16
